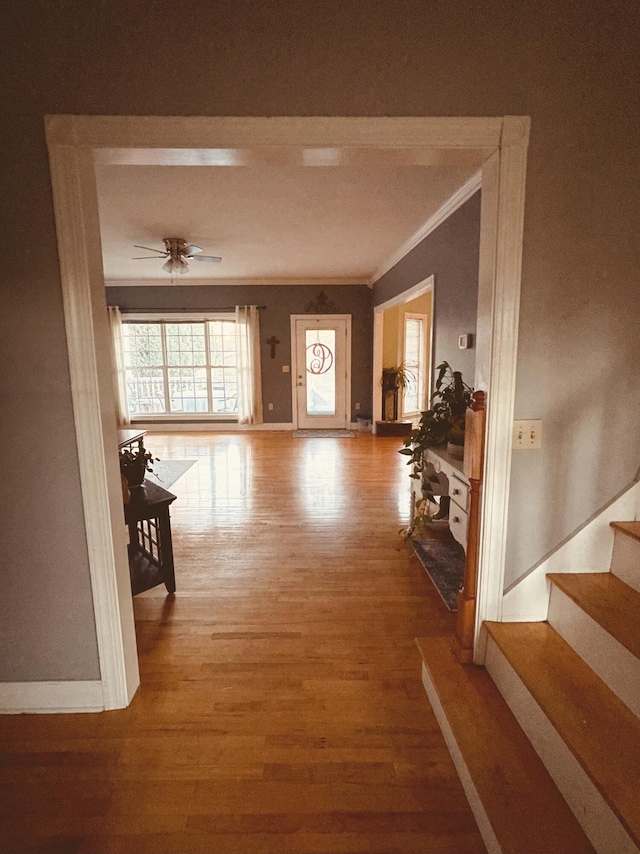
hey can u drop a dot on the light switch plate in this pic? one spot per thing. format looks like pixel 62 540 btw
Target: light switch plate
pixel 527 435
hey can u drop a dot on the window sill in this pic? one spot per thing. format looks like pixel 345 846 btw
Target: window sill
pixel 182 419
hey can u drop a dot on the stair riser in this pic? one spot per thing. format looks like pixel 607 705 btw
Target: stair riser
pixel 625 561
pixel 606 656
pixel 599 822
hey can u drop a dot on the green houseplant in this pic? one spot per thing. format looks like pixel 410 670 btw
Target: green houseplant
pixel 443 423
pixel 394 381
pixel 134 464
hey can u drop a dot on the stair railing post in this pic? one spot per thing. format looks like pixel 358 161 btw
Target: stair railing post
pixel 473 469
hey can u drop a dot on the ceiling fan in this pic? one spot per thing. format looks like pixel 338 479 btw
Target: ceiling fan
pixel 177 252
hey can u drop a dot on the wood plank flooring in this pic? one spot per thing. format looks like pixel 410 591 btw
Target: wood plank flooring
pixel 281 707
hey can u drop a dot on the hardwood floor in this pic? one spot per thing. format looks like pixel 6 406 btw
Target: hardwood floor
pixel 281 707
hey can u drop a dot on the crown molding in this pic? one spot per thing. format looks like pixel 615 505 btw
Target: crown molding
pixel 167 283
pixel 457 200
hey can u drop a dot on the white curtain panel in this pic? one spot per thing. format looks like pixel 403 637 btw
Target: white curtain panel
pixel 117 367
pixel 249 372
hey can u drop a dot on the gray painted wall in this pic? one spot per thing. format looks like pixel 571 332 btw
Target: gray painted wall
pixel 451 253
pixel 280 301
pixel 572 67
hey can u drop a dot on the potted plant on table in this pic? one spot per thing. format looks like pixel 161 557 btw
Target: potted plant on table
pixel 134 464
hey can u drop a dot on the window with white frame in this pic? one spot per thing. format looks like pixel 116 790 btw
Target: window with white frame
pixel 181 367
pixel 414 359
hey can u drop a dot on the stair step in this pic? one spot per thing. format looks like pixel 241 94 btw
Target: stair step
pixel 598 615
pixel 631 529
pixel 586 736
pixel 625 561
pixel 516 803
pixel 608 600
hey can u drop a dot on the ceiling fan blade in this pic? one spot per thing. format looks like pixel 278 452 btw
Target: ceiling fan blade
pixel 150 249
pixel 144 257
pixel 213 258
pixel 191 249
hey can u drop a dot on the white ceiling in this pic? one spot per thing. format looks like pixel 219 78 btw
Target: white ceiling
pixel 273 220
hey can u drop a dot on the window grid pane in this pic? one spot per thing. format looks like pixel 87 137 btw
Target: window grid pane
pixel 199 378
pixel 188 389
pixel 142 344
pixel 413 354
pixel 186 344
pixel 224 375
pixel 145 390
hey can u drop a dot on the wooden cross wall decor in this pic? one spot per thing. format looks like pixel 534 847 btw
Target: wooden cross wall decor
pixel 272 343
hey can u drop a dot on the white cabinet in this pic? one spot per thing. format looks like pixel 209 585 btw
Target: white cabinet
pixel 443 476
pixel 458 521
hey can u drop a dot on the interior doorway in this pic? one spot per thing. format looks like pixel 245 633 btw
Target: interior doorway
pixel 76 143
pixel 321 371
pixel 388 339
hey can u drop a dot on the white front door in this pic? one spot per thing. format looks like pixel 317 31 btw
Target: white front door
pixel 321 362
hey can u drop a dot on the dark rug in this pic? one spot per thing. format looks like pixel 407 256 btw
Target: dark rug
pixel 166 472
pixel 444 563
pixel 324 434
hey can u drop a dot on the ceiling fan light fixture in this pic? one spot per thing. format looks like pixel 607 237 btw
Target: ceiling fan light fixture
pixel 177 252
pixel 175 265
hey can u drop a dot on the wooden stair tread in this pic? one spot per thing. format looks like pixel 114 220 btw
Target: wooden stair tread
pixel 524 806
pixel 608 600
pixel 632 529
pixel 601 732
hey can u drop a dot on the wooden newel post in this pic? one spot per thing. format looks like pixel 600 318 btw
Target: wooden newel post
pixel 473 467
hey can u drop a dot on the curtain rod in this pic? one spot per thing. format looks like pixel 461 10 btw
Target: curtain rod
pixel 146 310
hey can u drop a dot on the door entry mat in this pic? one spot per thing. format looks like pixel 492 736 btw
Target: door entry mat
pixel 324 434
pixel 444 562
pixel 166 472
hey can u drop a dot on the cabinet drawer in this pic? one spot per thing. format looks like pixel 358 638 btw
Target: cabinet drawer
pixel 458 521
pixel 459 492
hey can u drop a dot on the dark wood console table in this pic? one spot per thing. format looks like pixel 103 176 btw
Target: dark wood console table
pixel 128 438
pixel 150 546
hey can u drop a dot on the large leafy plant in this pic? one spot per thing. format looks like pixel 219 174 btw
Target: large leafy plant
pixel 394 381
pixel 444 422
pixel 400 376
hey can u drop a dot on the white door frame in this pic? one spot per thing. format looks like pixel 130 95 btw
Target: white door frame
pixel 294 362
pixel 75 143
pixel 410 294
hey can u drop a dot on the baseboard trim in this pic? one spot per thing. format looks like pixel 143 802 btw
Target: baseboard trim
pixel 209 426
pixel 22 698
